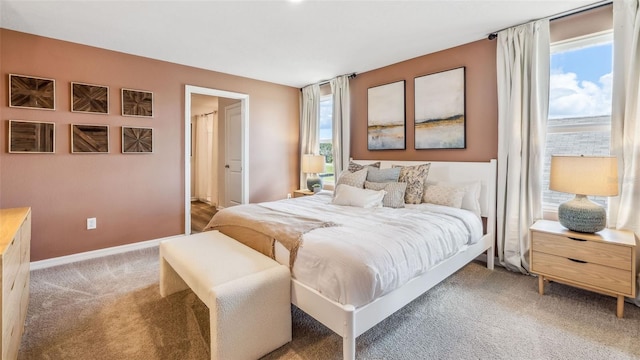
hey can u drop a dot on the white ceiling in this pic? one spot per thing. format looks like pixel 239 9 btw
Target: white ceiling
pixel 285 42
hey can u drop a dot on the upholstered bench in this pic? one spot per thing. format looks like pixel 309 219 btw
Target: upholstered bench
pixel 248 294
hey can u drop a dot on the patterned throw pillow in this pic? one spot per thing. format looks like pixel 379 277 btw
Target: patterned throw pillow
pixel 353 167
pixel 355 179
pixel 444 195
pixel 415 177
pixel 395 192
pixel 383 175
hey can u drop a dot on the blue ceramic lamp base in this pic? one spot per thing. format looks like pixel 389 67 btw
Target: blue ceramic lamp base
pixel 582 215
pixel 312 180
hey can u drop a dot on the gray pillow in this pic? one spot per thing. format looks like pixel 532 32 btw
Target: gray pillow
pixel 394 198
pixel 383 175
pixel 355 179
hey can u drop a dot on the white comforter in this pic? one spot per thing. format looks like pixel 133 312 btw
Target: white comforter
pixel 374 251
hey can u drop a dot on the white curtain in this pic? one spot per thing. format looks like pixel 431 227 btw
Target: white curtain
pixel 309 125
pixel 203 157
pixel 341 123
pixel 523 102
pixel 625 117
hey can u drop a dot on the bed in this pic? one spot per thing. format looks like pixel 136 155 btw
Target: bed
pixel 403 252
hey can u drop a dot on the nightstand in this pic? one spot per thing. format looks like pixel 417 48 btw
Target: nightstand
pixel 603 262
pixel 302 192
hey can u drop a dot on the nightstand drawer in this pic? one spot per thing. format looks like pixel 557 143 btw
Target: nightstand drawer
pixel 610 255
pixel 588 274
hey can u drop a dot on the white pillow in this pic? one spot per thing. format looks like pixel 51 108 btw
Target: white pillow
pixel 471 198
pixel 353 196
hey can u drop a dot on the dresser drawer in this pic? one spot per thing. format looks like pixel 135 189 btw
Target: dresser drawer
pixel 25 239
pixel 606 254
pixel 592 275
pixel 11 263
pixel 13 301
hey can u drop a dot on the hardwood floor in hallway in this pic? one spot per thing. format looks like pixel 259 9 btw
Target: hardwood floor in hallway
pixel 201 213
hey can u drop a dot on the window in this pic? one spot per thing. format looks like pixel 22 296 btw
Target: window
pixel 579 105
pixel 326 137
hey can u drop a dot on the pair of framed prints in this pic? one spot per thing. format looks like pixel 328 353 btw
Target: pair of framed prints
pixel 39 137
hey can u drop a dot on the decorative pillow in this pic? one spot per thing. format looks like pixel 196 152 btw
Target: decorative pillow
pixel 395 192
pixel 383 175
pixel 444 195
pixel 353 167
pixel 471 199
pixel 352 196
pixel 355 179
pixel 415 177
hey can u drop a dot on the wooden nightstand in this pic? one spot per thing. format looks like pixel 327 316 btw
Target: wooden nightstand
pixel 302 192
pixel 604 262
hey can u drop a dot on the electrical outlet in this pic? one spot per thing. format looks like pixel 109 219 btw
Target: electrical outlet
pixel 91 223
pixel 289 196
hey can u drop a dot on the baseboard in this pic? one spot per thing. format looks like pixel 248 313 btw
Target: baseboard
pixel 68 259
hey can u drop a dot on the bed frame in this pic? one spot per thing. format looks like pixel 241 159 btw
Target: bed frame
pixel 349 321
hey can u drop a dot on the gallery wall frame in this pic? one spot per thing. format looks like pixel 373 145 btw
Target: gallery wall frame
pixel 138 103
pixel 386 120
pixel 32 92
pixel 137 140
pixel 440 115
pixel 89 139
pixel 31 137
pixel 89 98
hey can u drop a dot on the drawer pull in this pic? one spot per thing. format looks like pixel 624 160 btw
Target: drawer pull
pixel 576 239
pixel 578 261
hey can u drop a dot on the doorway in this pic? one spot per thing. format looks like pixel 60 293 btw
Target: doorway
pixel 218 170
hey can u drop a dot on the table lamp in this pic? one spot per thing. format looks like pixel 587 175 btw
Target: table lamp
pixel 584 175
pixel 312 165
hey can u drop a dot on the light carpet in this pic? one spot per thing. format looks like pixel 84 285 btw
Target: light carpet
pixel 110 308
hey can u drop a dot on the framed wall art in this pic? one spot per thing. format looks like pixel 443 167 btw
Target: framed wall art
pixel 33 137
pixel 137 140
pixel 137 103
pixel 32 92
pixel 89 139
pixel 89 98
pixel 440 110
pixel 386 117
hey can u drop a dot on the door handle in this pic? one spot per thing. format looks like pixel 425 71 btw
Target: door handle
pixel 226 166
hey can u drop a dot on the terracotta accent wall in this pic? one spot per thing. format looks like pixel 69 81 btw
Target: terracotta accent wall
pixel 481 98
pixel 134 197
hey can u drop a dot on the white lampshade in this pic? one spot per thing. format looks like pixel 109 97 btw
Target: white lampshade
pixel 312 164
pixel 584 175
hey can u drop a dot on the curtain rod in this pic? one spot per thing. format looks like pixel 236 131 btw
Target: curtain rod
pixel 213 112
pixel 561 15
pixel 324 82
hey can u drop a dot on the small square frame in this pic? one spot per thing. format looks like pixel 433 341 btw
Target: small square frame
pixel 89 139
pixel 31 137
pixel 32 92
pixel 137 140
pixel 89 98
pixel 138 103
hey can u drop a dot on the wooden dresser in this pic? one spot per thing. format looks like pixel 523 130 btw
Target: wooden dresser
pixel 604 262
pixel 15 245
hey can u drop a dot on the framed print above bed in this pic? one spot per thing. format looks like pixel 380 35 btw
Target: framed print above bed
pixel 137 140
pixel 33 137
pixel 32 92
pixel 88 98
pixel 386 117
pixel 137 103
pixel 89 139
pixel 440 110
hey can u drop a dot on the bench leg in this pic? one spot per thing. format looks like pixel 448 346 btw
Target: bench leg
pixel 170 281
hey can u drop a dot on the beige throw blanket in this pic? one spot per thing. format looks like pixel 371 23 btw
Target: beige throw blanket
pixel 249 219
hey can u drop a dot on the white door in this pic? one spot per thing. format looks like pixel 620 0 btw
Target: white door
pixel 233 155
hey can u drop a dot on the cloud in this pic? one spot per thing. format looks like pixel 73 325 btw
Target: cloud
pixel 570 97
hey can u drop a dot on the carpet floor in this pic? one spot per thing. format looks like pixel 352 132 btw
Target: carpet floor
pixel 110 308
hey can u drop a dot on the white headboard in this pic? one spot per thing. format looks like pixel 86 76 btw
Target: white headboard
pixel 486 172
